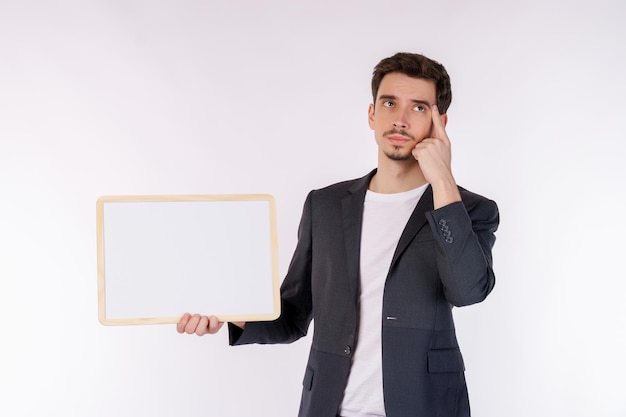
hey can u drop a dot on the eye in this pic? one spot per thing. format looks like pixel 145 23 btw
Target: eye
pixel 419 108
pixel 387 103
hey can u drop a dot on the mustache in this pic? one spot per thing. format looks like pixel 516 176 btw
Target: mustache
pixel 399 132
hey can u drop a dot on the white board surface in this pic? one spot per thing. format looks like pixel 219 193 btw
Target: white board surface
pixel 162 256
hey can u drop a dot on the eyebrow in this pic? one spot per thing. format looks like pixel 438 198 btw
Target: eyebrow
pixel 415 101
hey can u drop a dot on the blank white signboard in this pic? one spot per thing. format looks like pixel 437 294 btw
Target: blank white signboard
pixel 162 256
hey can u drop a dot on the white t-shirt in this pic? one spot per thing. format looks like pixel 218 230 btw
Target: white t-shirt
pixel 384 219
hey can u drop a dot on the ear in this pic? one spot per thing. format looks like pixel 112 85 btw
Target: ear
pixel 370 116
pixel 444 119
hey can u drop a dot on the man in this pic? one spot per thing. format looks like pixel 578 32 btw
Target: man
pixel 381 260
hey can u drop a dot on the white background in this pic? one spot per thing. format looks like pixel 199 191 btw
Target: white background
pixel 208 97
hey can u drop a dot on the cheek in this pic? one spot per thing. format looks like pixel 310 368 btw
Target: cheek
pixel 430 130
pixel 423 124
pixel 378 122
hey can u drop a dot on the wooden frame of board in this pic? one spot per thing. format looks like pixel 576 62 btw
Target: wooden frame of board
pixel 162 256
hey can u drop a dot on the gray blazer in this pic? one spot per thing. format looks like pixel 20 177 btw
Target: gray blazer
pixel 443 259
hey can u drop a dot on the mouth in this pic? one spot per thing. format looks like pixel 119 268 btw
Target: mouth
pixel 398 139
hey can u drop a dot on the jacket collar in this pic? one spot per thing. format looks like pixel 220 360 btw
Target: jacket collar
pixel 352 213
pixel 416 222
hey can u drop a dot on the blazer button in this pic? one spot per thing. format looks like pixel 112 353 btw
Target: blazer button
pixel 347 350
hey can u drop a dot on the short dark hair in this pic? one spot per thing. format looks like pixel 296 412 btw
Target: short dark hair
pixel 417 66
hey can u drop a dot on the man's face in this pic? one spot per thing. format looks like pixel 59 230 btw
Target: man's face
pixel 401 117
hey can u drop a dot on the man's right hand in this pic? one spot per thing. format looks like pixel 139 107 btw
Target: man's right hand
pixel 198 324
pixel 201 325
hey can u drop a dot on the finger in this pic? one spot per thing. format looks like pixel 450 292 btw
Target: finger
pixel 203 326
pixel 439 128
pixel 214 325
pixel 182 323
pixel 192 324
pixel 426 146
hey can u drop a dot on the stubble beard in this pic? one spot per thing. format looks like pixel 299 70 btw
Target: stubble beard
pixel 398 155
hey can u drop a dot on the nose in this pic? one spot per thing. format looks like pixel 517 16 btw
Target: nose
pixel 400 124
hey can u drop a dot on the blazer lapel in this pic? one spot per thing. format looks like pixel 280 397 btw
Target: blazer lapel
pixel 352 214
pixel 415 223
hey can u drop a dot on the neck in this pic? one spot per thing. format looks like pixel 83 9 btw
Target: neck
pixel 396 176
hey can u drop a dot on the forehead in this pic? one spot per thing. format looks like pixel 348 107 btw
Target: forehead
pixel 403 86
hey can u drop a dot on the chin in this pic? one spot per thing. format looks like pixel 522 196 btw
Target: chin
pixel 399 156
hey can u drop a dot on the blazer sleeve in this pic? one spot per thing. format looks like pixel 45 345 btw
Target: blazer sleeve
pixel 295 295
pixel 465 235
